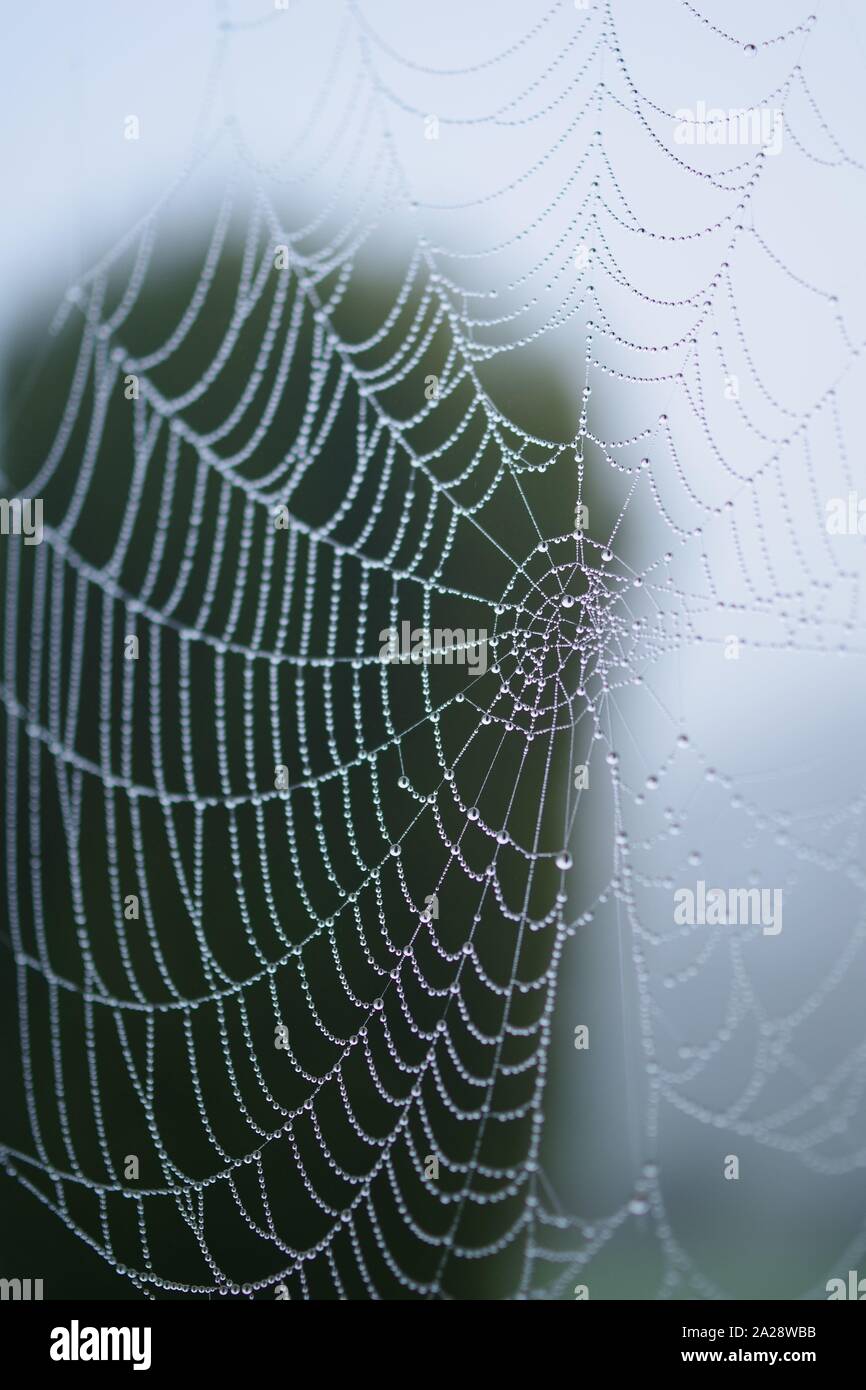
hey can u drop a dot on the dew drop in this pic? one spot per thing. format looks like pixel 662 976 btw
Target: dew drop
pixel 564 860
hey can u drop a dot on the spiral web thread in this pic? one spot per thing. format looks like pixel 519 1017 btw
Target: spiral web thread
pixel 578 632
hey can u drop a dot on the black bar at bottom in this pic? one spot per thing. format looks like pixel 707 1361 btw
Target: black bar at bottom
pixel 228 1336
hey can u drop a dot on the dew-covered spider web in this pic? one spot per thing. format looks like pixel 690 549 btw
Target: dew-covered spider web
pixel 462 334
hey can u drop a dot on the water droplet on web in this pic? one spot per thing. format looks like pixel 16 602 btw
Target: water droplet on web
pixel 472 813
pixel 750 49
pixel 564 860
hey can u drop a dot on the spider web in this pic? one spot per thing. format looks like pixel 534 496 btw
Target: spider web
pixel 334 978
